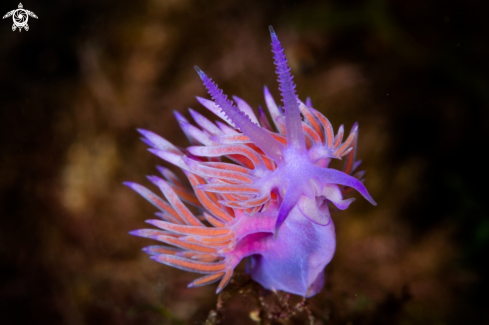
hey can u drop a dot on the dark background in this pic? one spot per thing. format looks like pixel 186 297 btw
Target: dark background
pixel 413 73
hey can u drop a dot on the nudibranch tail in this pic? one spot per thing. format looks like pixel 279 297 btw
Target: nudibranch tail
pixel 263 189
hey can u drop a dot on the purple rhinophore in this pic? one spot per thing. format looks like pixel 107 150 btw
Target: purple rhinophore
pixel 268 201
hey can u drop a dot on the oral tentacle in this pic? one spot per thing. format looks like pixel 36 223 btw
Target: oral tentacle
pixel 292 195
pixel 332 176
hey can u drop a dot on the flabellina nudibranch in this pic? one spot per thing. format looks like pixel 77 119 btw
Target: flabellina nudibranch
pixel 267 202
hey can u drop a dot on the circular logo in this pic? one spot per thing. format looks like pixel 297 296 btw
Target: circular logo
pixel 20 18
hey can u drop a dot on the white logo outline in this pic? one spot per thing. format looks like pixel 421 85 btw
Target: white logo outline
pixel 20 16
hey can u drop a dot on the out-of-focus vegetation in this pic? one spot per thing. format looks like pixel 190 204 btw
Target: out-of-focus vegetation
pixel 73 89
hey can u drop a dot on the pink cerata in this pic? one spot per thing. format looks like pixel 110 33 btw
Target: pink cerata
pixel 267 202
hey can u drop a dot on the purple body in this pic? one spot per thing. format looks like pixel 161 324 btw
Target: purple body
pixel 270 205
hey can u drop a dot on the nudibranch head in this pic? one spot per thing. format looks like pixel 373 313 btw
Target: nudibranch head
pixel 269 205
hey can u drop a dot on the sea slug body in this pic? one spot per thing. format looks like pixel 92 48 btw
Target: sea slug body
pixel 268 202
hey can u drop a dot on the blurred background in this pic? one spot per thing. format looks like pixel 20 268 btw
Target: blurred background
pixel 74 88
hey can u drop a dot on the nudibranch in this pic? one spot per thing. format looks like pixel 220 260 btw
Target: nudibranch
pixel 262 193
